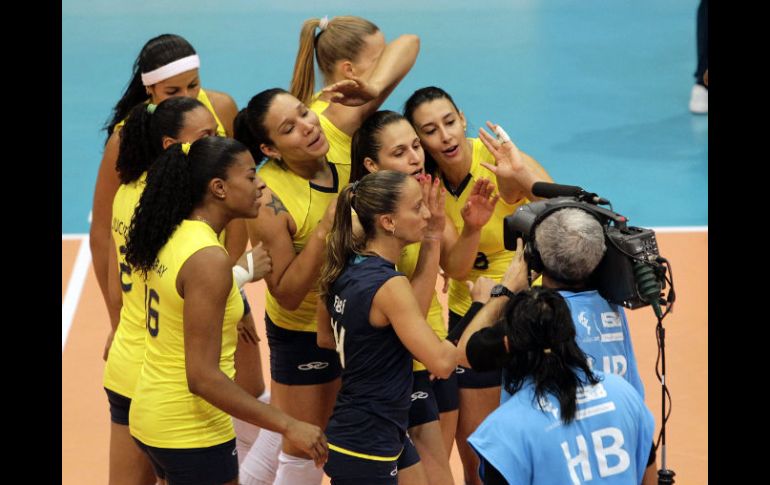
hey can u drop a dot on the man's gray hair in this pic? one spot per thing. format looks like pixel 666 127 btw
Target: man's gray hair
pixel 571 244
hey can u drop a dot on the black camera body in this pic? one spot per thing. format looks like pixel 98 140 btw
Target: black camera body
pixel 615 278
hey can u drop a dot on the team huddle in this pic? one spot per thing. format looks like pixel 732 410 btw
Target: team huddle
pixel 351 213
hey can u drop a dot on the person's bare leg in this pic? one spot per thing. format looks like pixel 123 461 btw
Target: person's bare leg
pixel 475 406
pixel 448 422
pixel 129 465
pixel 413 475
pixel 429 442
pixel 248 375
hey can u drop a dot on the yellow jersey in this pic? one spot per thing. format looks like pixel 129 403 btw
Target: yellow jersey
pixel 492 258
pixel 203 98
pixel 317 104
pixel 127 349
pixel 164 413
pixel 339 141
pixel 407 264
pixel 306 203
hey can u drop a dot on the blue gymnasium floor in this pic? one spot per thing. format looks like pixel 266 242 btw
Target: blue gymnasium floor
pixel 595 90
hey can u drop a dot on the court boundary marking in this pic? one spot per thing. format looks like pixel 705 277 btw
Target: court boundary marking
pixel 75 285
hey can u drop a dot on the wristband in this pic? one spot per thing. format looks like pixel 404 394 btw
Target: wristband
pixel 241 275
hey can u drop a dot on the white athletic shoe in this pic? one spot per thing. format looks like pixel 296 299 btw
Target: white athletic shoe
pixel 699 100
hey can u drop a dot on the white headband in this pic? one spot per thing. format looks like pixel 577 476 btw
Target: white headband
pixel 171 69
pixel 323 23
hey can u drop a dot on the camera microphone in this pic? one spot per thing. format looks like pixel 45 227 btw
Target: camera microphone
pixel 549 191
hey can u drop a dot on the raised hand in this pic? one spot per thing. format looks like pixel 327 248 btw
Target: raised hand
pixel 353 91
pixel 434 195
pixel 510 163
pixel 480 205
pixel 515 277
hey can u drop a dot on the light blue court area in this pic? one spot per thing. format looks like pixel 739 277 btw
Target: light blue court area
pixel 595 90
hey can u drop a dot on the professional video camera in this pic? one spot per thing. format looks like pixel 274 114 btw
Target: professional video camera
pixel 630 273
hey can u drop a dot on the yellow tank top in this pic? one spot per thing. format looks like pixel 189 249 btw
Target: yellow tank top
pixel 492 259
pixel 306 204
pixel 407 264
pixel 127 349
pixel 339 141
pixel 318 105
pixel 164 413
pixel 203 98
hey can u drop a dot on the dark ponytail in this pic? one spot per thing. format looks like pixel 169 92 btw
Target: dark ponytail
pixel 141 139
pixel 176 184
pixel 165 202
pixel 542 347
pixel 157 52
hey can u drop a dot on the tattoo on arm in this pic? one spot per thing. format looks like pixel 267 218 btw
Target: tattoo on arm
pixel 277 205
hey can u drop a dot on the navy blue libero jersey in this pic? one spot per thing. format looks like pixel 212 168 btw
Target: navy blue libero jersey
pixel 372 409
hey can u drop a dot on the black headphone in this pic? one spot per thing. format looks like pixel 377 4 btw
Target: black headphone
pixel 532 255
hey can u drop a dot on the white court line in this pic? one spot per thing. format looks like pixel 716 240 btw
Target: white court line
pixel 74 287
pixel 681 229
pixel 70 237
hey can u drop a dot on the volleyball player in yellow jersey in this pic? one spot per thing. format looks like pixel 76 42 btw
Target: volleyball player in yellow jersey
pixel 184 393
pixel 147 132
pixel 459 161
pixel 166 66
pixel 353 49
pixel 386 141
pixel 303 179
pixel 149 128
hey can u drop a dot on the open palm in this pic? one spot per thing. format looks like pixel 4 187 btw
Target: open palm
pixel 508 158
pixel 434 197
pixel 480 205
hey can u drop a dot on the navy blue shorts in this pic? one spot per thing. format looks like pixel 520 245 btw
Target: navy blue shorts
pixel 297 360
pixel 468 378
pixel 119 406
pixel 194 466
pixel 424 408
pixel 447 393
pixel 246 307
pixel 352 470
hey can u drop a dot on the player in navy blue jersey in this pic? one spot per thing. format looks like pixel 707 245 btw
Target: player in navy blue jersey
pixel 378 328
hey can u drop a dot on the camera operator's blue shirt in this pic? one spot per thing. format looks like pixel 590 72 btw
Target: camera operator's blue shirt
pixel 608 442
pixel 602 333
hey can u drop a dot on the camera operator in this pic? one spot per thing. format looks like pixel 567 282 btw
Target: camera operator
pixel 570 243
